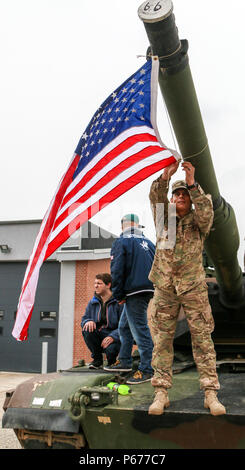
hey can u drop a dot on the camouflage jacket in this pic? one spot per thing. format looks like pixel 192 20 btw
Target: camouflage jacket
pixel 180 266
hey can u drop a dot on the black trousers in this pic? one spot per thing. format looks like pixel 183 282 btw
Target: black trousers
pixel 93 341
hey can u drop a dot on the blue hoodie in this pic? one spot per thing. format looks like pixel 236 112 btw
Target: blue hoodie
pixel 113 312
pixel 132 256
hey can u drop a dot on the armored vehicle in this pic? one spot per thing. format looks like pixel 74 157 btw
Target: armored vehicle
pixel 76 408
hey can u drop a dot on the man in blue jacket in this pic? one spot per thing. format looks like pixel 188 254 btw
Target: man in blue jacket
pixel 132 256
pixel 100 323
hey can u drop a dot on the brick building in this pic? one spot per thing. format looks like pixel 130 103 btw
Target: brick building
pixel 85 274
pixel 65 286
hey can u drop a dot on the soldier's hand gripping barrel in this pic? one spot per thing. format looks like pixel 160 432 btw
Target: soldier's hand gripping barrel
pixel 179 94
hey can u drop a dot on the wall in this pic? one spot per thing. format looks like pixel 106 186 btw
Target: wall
pixel 82 256
pixel 66 315
pixel 84 289
pixel 20 237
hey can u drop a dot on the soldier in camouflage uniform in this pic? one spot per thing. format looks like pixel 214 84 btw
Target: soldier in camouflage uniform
pixel 179 279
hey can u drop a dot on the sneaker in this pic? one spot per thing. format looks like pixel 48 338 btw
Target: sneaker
pixel 117 367
pixel 95 364
pixel 112 362
pixel 138 378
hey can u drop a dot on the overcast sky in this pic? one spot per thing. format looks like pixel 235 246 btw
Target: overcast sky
pixel 61 58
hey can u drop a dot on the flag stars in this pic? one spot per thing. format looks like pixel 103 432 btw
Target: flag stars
pixel 125 106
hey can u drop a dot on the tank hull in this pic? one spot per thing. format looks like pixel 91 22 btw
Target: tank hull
pixel 125 423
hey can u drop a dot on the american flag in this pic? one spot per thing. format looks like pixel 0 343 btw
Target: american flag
pixel 120 148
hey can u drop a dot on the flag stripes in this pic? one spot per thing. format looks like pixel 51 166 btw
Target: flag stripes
pixel 120 148
pixel 79 217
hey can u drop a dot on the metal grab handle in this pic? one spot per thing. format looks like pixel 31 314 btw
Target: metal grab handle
pixel 79 406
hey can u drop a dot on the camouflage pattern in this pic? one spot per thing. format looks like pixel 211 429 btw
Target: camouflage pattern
pixel 165 311
pixel 179 279
pixel 180 267
pixel 178 185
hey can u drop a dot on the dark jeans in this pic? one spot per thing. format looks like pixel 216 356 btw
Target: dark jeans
pixel 94 339
pixel 133 326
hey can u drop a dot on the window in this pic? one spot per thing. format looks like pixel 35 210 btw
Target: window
pixel 1 314
pixel 48 316
pixel 47 333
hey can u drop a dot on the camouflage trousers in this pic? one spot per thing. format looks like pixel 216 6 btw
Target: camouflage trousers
pixel 165 311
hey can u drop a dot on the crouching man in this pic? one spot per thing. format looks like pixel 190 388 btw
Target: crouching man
pixel 100 323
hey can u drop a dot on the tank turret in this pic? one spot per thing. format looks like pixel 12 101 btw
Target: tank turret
pixel 179 94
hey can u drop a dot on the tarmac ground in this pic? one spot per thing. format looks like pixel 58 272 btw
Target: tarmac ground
pixel 8 381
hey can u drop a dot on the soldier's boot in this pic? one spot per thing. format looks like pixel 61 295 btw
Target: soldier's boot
pixel 211 401
pixel 160 402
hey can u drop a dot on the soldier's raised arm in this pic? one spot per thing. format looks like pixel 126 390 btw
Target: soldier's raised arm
pixel 204 213
pixel 202 202
pixel 159 191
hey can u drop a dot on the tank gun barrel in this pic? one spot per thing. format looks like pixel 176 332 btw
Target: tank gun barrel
pixel 179 94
